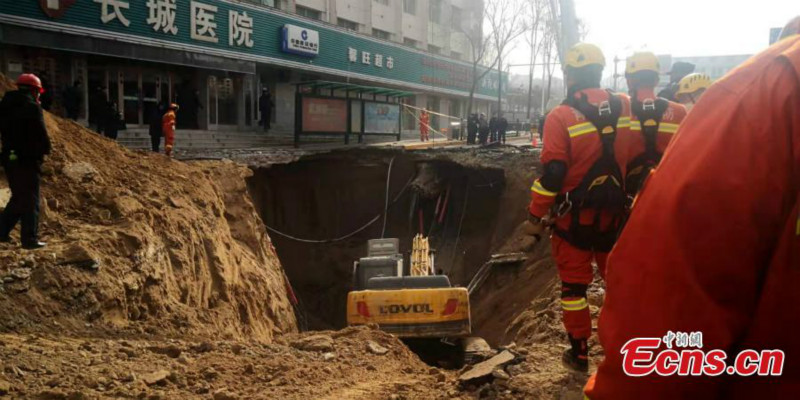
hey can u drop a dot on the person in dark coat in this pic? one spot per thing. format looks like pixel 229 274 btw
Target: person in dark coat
pixel 493 125
pixel 25 143
pixel 502 127
pixel 265 105
pixel 472 128
pixel 73 100
pixel 114 122
pixel 483 129
pixel 541 127
pixel 154 121
pixel 98 109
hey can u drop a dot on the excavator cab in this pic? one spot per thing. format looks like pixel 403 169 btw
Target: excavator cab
pixel 408 302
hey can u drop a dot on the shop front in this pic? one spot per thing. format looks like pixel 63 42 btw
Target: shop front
pixel 213 57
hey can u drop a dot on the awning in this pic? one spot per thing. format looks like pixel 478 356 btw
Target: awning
pixel 350 87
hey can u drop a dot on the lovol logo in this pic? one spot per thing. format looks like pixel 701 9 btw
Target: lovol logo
pixel 406 309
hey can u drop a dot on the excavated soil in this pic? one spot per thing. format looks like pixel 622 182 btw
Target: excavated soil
pixel 142 243
pixel 160 281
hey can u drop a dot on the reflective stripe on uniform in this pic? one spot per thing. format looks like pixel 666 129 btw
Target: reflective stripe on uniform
pixel 574 305
pixel 667 127
pixel 538 188
pixel 624 122
pixel 663 127
pixel 581 129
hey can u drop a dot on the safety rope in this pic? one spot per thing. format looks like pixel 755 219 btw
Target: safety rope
pixel 338 239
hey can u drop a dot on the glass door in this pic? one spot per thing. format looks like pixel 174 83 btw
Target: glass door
pixel 131 97
pixel 151 88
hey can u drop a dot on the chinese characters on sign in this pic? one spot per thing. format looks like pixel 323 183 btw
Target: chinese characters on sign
pixel 203 24
pixel 241 29
pixel 115 12
pixel 162 15
pixel 368 58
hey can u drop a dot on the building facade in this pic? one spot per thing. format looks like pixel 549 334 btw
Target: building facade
pixel 213 57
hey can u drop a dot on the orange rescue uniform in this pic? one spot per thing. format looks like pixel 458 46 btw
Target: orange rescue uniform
pixel 168 127
pixel 424 125
pixel 569 137
pixel 713 243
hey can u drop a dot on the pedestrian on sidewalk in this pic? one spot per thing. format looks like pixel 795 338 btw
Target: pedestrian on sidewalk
pixel 73 100
pixel 155 121
pixel 483 129
pixel 265 105
pixel 502 127
pixel 25 142
pixel 472 128
pixel 114 122
pixel 168 128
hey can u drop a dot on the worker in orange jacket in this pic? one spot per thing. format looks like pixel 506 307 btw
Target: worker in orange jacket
pixel 713 243
pixel 654 120
pixel 168 128
pixel 424 125
pixel 584 157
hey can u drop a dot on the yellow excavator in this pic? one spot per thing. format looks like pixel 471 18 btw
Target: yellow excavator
pixel 410 302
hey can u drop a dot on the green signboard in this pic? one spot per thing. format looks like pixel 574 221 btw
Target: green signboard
pixel 248 32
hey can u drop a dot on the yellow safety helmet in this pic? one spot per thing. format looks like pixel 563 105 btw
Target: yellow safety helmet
pixel 693 82
pixel 642 61
pixel 585 54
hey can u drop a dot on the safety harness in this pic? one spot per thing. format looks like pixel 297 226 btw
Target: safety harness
pixel 601 188
pixel 649 114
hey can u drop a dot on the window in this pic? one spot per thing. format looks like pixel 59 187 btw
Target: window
pixel 455 18
pixel 353 26
pixel 309 13
pixel 410 7
pixel 384 2
pixel 435 10
pixel 434 49
pixel 381 34
pixel 410 42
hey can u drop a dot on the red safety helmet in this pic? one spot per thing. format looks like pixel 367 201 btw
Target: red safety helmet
pixel 30 80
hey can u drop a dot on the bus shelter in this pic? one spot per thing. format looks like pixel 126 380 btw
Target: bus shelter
pixel 336 109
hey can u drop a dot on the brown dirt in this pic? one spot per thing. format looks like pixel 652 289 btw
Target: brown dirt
pixel 160 283
pixel 179 248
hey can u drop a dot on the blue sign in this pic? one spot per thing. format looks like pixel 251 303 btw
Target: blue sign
pixel 299 41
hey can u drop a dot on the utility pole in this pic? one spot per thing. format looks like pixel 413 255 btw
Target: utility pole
pixel 616 74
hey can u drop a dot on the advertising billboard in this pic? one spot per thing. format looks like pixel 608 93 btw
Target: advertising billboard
pixel 324 115
pixel 381 118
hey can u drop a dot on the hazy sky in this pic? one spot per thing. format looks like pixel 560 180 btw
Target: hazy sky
pixel 680 27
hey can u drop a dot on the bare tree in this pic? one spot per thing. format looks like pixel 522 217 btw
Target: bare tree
pixel 538 10
pixel 506 20
pixel 503 23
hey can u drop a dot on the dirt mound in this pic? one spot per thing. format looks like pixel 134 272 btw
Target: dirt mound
pixel 142 243
pixel 352 363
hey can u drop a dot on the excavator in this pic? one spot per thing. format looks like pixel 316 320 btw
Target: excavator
pixel 411 301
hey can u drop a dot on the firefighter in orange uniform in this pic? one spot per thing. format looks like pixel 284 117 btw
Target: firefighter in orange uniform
pixel 713 243
pixel 424 125
pixel 584 158
pixel 654 120
pixel 691 88
pixel 168 127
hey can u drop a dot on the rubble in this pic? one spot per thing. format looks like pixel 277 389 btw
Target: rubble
pixel 485 369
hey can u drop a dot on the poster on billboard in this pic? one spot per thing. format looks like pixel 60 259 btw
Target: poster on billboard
pixel 324 115
pixel 381 118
